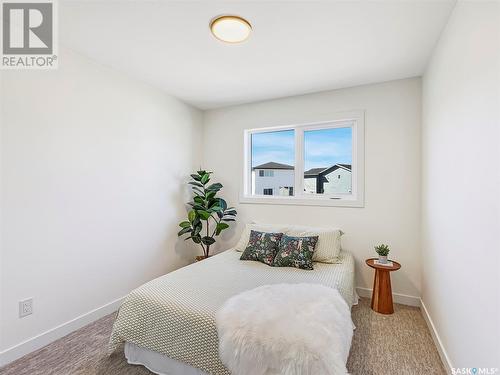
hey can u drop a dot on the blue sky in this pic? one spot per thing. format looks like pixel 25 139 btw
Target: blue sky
pixel 322 148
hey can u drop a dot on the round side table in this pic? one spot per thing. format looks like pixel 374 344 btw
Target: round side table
pixel 382 292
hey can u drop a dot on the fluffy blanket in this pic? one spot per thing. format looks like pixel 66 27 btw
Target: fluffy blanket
pixel 286 329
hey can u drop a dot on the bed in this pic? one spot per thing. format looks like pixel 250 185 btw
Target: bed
pixel 168 324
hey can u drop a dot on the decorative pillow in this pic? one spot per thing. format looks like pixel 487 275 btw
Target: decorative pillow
pixel 296 252
pixel 262 247
pixel 328 246
pixel 269 228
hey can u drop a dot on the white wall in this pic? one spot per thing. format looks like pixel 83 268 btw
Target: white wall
pixel 392 205
pixel 460 216
pixel 93 165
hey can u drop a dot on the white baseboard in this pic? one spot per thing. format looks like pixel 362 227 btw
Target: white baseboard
pixel 45 338
pixel 437 340
pixel 396 297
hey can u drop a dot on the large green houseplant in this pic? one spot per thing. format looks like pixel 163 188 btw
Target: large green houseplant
pixel 209 214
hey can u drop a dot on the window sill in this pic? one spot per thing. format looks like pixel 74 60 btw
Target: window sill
pixel 303 201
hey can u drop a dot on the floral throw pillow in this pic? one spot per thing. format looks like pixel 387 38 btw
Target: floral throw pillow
pixel 262 247
pixel 296 252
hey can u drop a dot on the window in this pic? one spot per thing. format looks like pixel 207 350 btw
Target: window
pixel 311 164
pixel 266 173
pixel 328 153
pixel 273 157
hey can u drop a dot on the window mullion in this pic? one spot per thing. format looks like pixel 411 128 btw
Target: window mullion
pixel 247 178
pixel 299 162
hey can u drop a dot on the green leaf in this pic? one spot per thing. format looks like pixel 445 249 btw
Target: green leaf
pixel 201 173
pixel 195 183
pixel 195 177
pixel 199 207
pixel 204 214
pixel 215 209
pixel 210 195
pixel 220 227
pixel 199 200
pixel 207 240
pixel 201 193
pixel 197 229
pixel 191 215
pixel 185 224
pixel 205 178
pixel 214 187
pixel 223 204
pixel 196 239
pixel 183 231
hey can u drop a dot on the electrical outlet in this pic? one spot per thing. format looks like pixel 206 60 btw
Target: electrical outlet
pixel 25 307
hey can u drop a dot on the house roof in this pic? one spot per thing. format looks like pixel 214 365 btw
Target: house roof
pixel 314 171
pixel 309 173
pixel 317 171
pixel 273 165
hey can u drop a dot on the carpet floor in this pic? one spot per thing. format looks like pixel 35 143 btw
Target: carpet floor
pixel 382 345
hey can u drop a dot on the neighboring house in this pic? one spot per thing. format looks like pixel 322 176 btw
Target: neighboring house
pixel 279 179
pixel 329 180
pixel 273 179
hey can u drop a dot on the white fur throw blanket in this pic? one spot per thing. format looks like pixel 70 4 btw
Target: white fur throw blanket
pixel 285 329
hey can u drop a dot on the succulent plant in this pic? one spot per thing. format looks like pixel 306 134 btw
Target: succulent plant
pixel 382 250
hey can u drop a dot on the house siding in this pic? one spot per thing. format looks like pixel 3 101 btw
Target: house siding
pixel 338 181
pixel 310 184
pixel 281 178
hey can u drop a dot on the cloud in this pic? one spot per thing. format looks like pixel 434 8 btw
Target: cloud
pixel 322 148
pixel 327 147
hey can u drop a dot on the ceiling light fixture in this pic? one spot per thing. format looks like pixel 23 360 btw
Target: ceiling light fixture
pixel 230 29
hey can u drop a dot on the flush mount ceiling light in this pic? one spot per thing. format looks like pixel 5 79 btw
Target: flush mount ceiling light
pixel 230 29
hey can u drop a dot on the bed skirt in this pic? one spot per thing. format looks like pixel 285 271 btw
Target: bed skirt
pixel 158 363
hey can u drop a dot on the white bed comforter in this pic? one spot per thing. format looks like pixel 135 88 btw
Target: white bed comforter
pixel 175 314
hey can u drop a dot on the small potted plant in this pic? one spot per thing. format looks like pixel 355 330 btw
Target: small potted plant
pixel 382 251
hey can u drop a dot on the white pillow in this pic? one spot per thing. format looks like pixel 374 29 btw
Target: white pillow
pixel 269 228
pixel 328 245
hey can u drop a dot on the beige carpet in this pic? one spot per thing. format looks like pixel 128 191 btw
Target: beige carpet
pixel 395 344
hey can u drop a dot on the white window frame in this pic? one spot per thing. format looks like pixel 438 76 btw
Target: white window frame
pixel 353 119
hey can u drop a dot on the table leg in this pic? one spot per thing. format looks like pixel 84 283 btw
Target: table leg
pixel 382 292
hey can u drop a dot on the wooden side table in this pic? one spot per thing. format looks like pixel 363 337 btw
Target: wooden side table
pixel 382 292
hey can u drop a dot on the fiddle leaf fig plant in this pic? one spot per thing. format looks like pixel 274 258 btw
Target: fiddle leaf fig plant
pixel 209 214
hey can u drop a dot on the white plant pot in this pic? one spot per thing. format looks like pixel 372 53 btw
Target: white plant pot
pixel 382 259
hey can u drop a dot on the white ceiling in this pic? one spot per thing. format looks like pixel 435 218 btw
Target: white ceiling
pixel 296 47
